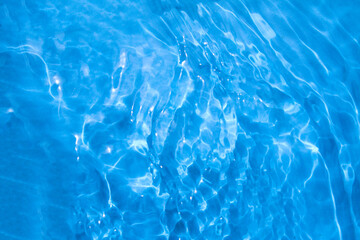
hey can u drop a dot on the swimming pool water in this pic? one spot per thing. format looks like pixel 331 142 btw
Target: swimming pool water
pixel 179 119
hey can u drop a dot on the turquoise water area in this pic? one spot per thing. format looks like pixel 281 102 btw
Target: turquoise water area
pixel 179 119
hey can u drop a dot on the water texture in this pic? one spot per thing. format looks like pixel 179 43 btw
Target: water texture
pixel 179 119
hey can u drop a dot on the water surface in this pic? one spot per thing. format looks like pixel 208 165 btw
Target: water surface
pixel 175 119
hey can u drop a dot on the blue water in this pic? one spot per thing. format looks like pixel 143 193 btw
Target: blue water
pixel 179 119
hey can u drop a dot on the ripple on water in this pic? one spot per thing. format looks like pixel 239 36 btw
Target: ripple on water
pixel 179 120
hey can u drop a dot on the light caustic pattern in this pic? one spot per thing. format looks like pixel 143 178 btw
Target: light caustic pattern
pixel 179 119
